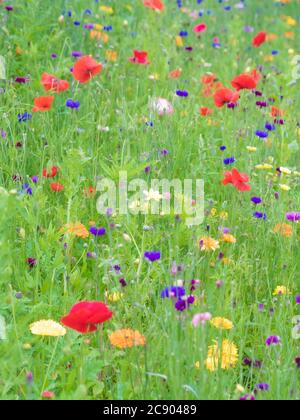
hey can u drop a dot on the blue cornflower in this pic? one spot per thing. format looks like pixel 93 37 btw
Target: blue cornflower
pixel 229 161
pixel 152 255
pixel 173 291
pixel 24 117
pixel 26 189
pixel 259 215
pixel 262 134
pixel 72 104
pixel 182 93
pixel 97 231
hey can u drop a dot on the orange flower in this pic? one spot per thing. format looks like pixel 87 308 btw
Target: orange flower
pixel 276 112
pixel 205 111
pixel 126 338
pixel 175 74
pixel 156 5
pixel 77 229
pixel 86 68
pixel 43 103
pixel 284 230
pixel 111 55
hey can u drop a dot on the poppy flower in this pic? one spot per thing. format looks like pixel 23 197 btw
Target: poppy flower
pixel 156 5
pixel 51 83
pixel 208 79
pixel 225 96
pixel 56 187
pixel 237 179
pixel 86 68
pixel 174 74
pixel 259 39
pixel 205 111
pixel 139 57
pixel 244 81
pixel 276 112
pixel 43 103
pixel 85 316
pixel 201 27
pixel 52 173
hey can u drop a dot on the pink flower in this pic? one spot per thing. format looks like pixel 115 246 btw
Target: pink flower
pixel 198 29
pixel 201 319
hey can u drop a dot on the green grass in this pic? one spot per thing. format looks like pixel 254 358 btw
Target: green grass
pixel 81 367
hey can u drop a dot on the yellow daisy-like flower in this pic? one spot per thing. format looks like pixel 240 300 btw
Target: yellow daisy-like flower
pixel 264 166
pixel 227 237
pixel 209 244
pixel 251 149
pixel 284 187
pixel 127 338
pixel 114 297
pixel 47 328
pixel 284 229
pixel 225 357
pixel 77 229
pixel 107 9
pixel 281 291
pixel 222 323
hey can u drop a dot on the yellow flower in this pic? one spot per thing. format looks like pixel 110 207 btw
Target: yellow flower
pixel 224 215
pixel 114 297
pixel 197 365
pixel 227 237
pixel 179 42
pixel 222 323
pixel 225 357
pixel 281 291
pixel 123 339
pixel 77 229
pixel 286 171
pixel 107 9
pixel 251 149
pixel 213 212
pixel 47 328
pixel 209 244
pixel 284 229
pixel 284 187
pixel 264 166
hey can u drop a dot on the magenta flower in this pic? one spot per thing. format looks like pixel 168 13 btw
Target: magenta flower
pixel 293 216
pixel 273 340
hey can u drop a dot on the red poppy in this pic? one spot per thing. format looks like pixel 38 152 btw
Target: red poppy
pixel 225 96
pixel 140 57
pixel 259 39
pixel 51 83
pixel 237 179
pixel 56 187
pixel 85 316
pixel 43 103
pixel 208 79
pixel 154 5
pixel 86 68
pixel 244 81
pixel 201 27
pixel 205 111
pixel 51 174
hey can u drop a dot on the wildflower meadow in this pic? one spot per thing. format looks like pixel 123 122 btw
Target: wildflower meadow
pixel 150 200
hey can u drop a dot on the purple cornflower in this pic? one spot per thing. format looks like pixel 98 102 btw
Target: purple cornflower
pixel 29 377
pixel 76 54
pixel 19 295
pixel 182 93
pixel 262 104
pixel 88 26
pixel 164 152
pixel 9 8
pixel 273 340
pixel 173 291
pixel 298 299
pixel 297 361
pixel 256 200
pixel 152 255
pixel 262 387
pixel 123 282
pixel 248 397
pixel 97 231
pixel 22 80
pixel 293 216
pixel 32 262
pixel 181 305
pixel 35 179
pixel 262 134
pixel 91 255
pixel 72 104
